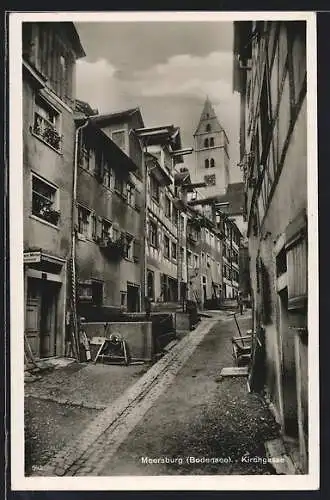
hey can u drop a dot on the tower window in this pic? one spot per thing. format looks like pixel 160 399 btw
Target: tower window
pixel 206 143
pixel 212 162
pixel 207 163
pixel 208 128
pixel 211 142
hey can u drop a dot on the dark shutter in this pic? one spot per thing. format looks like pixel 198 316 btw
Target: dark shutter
pixel 266 294
pixel 136 250
pixel 138 200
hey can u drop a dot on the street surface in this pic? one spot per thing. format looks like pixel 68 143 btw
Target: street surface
pixel 180 418
pixel 200 418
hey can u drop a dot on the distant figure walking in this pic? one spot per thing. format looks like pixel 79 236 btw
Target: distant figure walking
pixel 240 302
pixel 192 313
pixel 147 306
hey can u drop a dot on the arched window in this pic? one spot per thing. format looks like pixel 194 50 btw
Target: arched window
pixel 207 163
pixel 211 142
pixel 212 163
pixel 206 143
pixel 208 128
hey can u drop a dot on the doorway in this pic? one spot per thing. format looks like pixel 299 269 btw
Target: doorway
pixel 133 298
pixel 288 369
pixel 151 285
pixel 41 313
pixel 173 289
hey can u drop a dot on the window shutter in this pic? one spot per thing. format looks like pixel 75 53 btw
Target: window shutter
pixel 138 200
pixel 136 250
pixel 129 239
pixel 266 293
pixel 94 224
pixel 99 171
pixel 148 230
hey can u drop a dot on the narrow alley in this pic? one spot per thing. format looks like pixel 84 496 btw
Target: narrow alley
pixel 164 250
pixel 186 420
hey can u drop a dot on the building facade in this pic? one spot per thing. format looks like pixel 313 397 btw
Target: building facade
pixel 109 221
pixel 49 54
pixel 200 246
pixel 211 153
pixel 270 74
pixel 232 245
pixel 162 151
pixel 223 240
pixel 205 249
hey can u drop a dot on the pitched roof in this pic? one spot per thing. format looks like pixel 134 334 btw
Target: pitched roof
pixel 118 115
pixel 72 33
pixel 84 107
pixel 122 162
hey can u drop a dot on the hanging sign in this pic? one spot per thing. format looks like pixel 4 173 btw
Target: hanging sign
pixel 32 257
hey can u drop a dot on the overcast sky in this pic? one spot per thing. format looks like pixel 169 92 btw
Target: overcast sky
pixel 165 68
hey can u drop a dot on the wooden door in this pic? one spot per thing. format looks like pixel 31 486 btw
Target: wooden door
pixel 288 369
pixel 32 327
pixel 48 320
pixel 132 298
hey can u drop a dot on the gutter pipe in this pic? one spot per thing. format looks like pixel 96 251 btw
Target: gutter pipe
pixel 73 297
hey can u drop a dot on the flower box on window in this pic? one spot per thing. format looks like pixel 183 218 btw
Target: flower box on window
pixel 115 249
pixel 45 200
pixel 51 216
pixel 47 131
pixel 53 138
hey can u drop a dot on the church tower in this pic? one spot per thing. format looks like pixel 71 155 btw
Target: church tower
pixel 211 150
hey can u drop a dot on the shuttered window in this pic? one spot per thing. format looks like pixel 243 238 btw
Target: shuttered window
pixel 136 250
pixel 296 251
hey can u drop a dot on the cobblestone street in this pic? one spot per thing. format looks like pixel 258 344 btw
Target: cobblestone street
pixel 181 417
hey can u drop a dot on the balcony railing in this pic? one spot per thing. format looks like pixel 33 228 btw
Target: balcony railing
pixel 114 249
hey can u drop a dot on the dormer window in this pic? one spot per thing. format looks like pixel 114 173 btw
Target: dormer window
pixel 119 138
pixel 208 128
pixel 211 142
pixel 206 143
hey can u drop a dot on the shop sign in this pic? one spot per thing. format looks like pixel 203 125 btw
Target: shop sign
pixel 32 257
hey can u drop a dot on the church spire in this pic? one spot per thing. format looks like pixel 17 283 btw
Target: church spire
pixel 208 114
pixel 208 111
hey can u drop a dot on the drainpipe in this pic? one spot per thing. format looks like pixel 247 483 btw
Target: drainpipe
pixel 143 144
pixel 73 298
